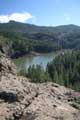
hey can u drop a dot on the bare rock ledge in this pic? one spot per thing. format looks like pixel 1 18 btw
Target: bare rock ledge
pixel 23 100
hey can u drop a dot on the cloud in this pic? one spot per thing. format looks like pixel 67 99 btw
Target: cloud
pixel 19 17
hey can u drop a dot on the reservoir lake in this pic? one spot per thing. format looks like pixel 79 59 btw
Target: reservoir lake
pixel 24 62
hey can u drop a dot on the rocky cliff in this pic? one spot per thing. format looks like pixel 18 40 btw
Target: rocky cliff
pixel 23 100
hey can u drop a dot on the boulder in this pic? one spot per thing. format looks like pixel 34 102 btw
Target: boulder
pixel 23 100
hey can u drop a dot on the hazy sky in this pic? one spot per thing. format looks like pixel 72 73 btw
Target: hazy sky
pixel 41 12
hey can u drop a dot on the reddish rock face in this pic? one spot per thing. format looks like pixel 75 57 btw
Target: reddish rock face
pixel 23 100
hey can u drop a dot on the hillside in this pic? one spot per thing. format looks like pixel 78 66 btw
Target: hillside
pixel 41 39
pixel 22 100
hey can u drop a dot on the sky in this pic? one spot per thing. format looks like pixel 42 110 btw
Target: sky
pixel 41 12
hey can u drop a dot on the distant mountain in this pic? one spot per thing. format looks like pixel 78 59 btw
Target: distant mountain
pixel 30 28
pixel 20 38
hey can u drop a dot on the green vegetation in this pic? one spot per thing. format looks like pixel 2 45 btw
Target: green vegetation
pixel 37 74
pixel 17 39
pixel 22 72
pixel 18 45
pixel 63 70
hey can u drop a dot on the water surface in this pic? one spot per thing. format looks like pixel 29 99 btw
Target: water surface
pixel 28 60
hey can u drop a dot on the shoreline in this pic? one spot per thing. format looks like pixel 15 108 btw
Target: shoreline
pixel 32 53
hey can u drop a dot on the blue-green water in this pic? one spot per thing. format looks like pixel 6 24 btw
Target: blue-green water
pixel 26 61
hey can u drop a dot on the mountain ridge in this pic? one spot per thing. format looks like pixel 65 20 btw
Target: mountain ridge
pixel 37 26
pixel 29 37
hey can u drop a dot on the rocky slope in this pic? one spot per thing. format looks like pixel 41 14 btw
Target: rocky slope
pixel 23 100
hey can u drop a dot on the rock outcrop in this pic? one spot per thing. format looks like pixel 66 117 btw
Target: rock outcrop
pixel 23 100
